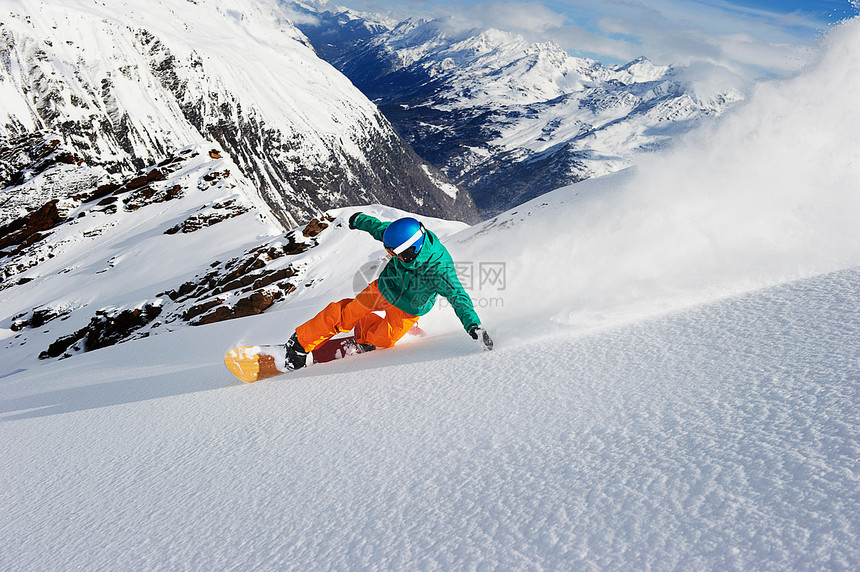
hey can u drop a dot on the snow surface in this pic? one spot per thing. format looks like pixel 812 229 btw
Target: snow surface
pixel 674 386
pixel 725 436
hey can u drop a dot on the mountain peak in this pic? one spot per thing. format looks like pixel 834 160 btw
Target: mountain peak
pixel 639 70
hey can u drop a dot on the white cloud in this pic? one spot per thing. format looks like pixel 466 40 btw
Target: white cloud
pixel 520 17
pixel 729 39
pixel 743 43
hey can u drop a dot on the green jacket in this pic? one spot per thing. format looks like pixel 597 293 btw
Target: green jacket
pixel 413 286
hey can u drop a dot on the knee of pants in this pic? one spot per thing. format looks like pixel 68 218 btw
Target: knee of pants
pixel 384 333
pixel 324 325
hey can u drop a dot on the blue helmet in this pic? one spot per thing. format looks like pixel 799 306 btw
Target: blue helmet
pixel 404 238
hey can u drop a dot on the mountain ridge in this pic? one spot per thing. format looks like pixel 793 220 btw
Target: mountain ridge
pixel 505 118
pixel 128 84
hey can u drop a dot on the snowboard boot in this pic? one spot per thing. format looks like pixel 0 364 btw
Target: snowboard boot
pixel 359 347
pixel 296 355
pixel 352 347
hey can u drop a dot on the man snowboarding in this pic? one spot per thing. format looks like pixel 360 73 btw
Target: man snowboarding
pixel 420 269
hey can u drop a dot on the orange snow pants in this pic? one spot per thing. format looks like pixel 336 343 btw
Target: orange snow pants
pixel 357 313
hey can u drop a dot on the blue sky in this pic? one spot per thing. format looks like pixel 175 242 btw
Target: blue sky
pixel 724 40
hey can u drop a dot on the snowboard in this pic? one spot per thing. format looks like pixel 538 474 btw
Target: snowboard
pixel 253 363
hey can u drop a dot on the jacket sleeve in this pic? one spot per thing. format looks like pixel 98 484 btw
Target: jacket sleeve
pixel 371 225
pixel 449 286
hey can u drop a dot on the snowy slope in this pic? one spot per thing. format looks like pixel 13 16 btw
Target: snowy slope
pixel 187 242
pixel 673 387
pixel 124 246
pixel 720 437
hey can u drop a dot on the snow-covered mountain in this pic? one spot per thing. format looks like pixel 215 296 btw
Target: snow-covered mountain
pixel 126 84
pixel 505 118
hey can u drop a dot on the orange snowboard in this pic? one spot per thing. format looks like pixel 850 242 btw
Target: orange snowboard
pixel 253 363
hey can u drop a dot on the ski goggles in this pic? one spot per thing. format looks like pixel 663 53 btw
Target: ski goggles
pixel 408 251
pixel 407 255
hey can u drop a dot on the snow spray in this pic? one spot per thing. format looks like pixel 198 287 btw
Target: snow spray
pixel 769 192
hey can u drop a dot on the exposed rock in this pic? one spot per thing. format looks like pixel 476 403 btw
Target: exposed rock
pixel 100 192
pixel 217 213
pixel 250 305
pixel 105 329
pixel 199 309
pixel 148 195
pixel 139 189
pixel 57 348
pixel 271 278
pixel 215 176
pixel 38 318
pixel 29 155
pixel 295 247
pixel 315 227
pixel 28 229
pixel 9 284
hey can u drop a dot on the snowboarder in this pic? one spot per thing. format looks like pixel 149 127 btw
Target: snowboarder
pixel 420 269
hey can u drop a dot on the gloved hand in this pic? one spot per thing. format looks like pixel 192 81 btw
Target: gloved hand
pixel 483 338
pixel 352 219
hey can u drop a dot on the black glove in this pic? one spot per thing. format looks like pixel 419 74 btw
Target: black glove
pixel 483 338
pixel 352 219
